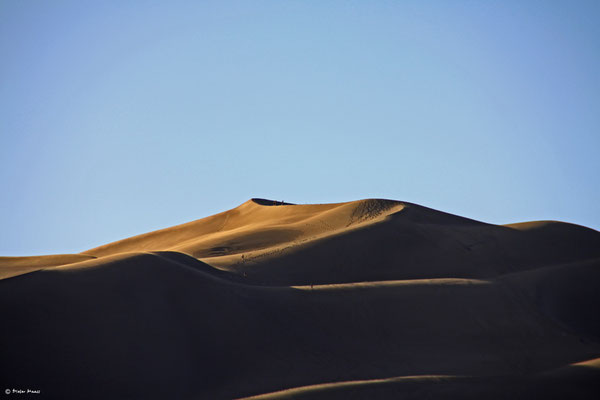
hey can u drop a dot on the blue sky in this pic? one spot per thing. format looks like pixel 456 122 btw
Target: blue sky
pixel 122 117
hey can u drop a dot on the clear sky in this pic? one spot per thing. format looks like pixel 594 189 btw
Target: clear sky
pixel 123 117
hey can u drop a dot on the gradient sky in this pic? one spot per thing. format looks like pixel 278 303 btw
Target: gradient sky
pixel 122 117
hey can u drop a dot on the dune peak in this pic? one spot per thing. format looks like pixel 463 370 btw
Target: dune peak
pixel 267 202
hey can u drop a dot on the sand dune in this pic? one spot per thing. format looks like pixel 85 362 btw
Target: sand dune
pixel 13 266
pixel 365 299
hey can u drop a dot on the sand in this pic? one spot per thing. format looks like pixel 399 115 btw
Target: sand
pixel 365 299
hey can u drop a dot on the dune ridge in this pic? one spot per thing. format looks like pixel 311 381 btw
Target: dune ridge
pixel 366 299
pixel 13 266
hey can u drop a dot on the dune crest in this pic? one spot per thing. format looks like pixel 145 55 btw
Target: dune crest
pixel 258 225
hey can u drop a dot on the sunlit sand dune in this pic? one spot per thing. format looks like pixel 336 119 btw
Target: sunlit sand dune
pixel 269 300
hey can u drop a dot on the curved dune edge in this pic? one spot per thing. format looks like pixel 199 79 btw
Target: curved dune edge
pixel 593 363
pixel 391 283
pixel 15 266
pixel 568 382
pixel 321 388
pixel 585 367
pixel 575 379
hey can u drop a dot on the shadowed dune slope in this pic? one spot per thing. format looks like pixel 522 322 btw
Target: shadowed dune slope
pixel 580 384
pixel 362 240
pixel 255 225
pixel 13 266
pixel 366 299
